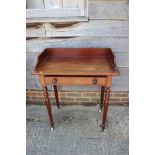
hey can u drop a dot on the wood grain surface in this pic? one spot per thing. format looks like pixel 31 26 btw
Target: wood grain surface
pixel 76 61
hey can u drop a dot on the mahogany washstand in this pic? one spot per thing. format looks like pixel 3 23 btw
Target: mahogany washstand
pixel 76 66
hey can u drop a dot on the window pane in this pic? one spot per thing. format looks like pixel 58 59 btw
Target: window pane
pixel 34 4
pixel 53 4
pixel 70 3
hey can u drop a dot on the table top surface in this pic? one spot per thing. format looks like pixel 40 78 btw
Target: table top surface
pixel 77 61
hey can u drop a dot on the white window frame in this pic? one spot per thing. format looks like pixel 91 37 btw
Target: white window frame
pixel 57 15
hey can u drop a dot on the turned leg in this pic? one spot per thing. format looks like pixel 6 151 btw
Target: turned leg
pixel 105 107
pixel 102 96
pixel 48 106
pixel 56 95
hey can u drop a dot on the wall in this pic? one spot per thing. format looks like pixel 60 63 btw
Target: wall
pixel 107 27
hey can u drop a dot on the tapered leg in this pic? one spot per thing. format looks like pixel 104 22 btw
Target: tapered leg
pixel 105 108
pixel 48 106
pixel 102 96
pixel 56 95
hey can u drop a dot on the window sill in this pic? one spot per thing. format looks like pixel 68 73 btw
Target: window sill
pixel 58 19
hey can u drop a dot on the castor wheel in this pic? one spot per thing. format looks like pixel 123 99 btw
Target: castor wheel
pixel 104 130
pixel 52 127
pixel 100 110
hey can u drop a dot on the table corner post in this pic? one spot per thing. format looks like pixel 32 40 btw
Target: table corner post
pixel 47 100
pixel 106 101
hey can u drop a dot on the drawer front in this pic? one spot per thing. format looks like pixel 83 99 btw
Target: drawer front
pixel 76 80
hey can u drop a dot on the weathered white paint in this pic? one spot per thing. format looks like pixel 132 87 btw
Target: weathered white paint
pixel 91 28
pixel 36 31
pixel 56 20
pixel 97 9
pixel 101 9
pixel 122 59
pixel 38 13
pixel 116 43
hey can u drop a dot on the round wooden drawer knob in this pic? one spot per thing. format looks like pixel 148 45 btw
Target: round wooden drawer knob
pixel 54 81
pixel 94 81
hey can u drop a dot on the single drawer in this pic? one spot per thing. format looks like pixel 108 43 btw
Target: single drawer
pixel 75 80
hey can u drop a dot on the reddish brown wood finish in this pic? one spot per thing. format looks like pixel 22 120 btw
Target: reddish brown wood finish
pixel 76 81
pixel 76 61
pixel 105 109
pixel 47 102
pixel 77 66
pixel 56 95
pixel 102 96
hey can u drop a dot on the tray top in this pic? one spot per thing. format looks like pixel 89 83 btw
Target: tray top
pixel 76 62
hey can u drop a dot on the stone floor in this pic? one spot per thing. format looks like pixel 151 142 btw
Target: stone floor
pixel 77 131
